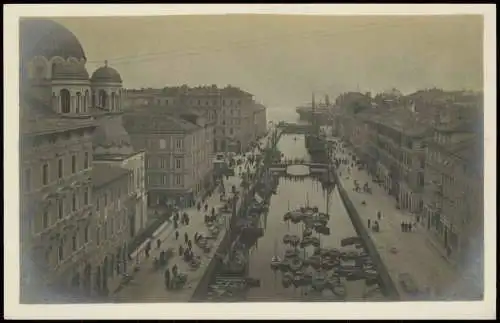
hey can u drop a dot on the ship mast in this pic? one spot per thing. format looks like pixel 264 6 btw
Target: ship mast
pixel 314 121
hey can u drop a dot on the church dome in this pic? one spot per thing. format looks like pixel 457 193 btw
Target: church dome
pixel 44 37
pixel 106 74
pixel 70 72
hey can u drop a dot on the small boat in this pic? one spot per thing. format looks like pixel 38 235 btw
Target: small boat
pixel 319 283
pixel 291 253
pixel 275 262
pixel 350 241
pixel 323 230
pixel 296 264
pixel 324 216
pixel 339 290
pixel 286 282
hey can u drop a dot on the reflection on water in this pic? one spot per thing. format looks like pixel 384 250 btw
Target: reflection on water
pixel 293 146
pixel 292 195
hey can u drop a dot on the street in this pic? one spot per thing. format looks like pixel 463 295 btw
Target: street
pixel 402 252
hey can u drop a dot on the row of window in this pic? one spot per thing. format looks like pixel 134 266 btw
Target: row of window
pixel 112 196
pixel 165 179
pixel 77 199
pixel 164 163
pixel 46 179
pixel 200 102
pixel 81 102
pixel 230 122
pixel 63 250
pixel 80 239
pixel 178 144
pixel 111 226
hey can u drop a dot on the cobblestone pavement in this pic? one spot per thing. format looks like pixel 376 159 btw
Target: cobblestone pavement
pixel 405 252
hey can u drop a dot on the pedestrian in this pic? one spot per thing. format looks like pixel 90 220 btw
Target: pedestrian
pixel 369 223
pixel 187 221
pixel 181 250
pixel 176 235
pixel 167 278
pixel 190 244
pixel 186 237
pixel 206 207
pixel 409 227
pixel 158 243
pixel 176 225
pixel 379 215
pixel 174 270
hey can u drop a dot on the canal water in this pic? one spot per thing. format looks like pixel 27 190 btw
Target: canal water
pixel 292 195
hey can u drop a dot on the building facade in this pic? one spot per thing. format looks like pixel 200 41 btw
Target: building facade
pixel 56 161
pixel 425 149
pixel 112 144
pixel 112 230
pixel 178 154
pixel 236 117
pixel 453 197
pixel 70 129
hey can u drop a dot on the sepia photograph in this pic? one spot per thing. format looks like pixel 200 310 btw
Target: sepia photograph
pixel 250 157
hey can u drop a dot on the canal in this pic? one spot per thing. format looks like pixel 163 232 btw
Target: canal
pixel 292 195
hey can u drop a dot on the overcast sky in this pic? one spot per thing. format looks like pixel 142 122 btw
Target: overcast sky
pixel 282 59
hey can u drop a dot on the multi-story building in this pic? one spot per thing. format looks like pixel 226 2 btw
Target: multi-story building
pixel 178 163
pixel 390 141
pixel 453 195
pixel 70 123
pixel 56 160
pixel 259 121
pixel 232 111
pixel 112 144
pixel 112 187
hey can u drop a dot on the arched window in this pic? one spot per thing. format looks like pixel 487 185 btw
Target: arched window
pixel 113 101
pixel 103 99
pixel 78 101
pixel 65 101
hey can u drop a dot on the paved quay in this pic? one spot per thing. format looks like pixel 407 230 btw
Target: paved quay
pixel 148 284
pixel 404 252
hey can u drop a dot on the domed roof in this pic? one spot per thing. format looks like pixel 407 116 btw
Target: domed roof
pixel 44 37
pixel 70 71
pixel 106 74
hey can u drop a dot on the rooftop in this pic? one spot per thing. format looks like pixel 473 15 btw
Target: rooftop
pixel 196 91
pixel 399 119
pixel 152 122
pixel 103 174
